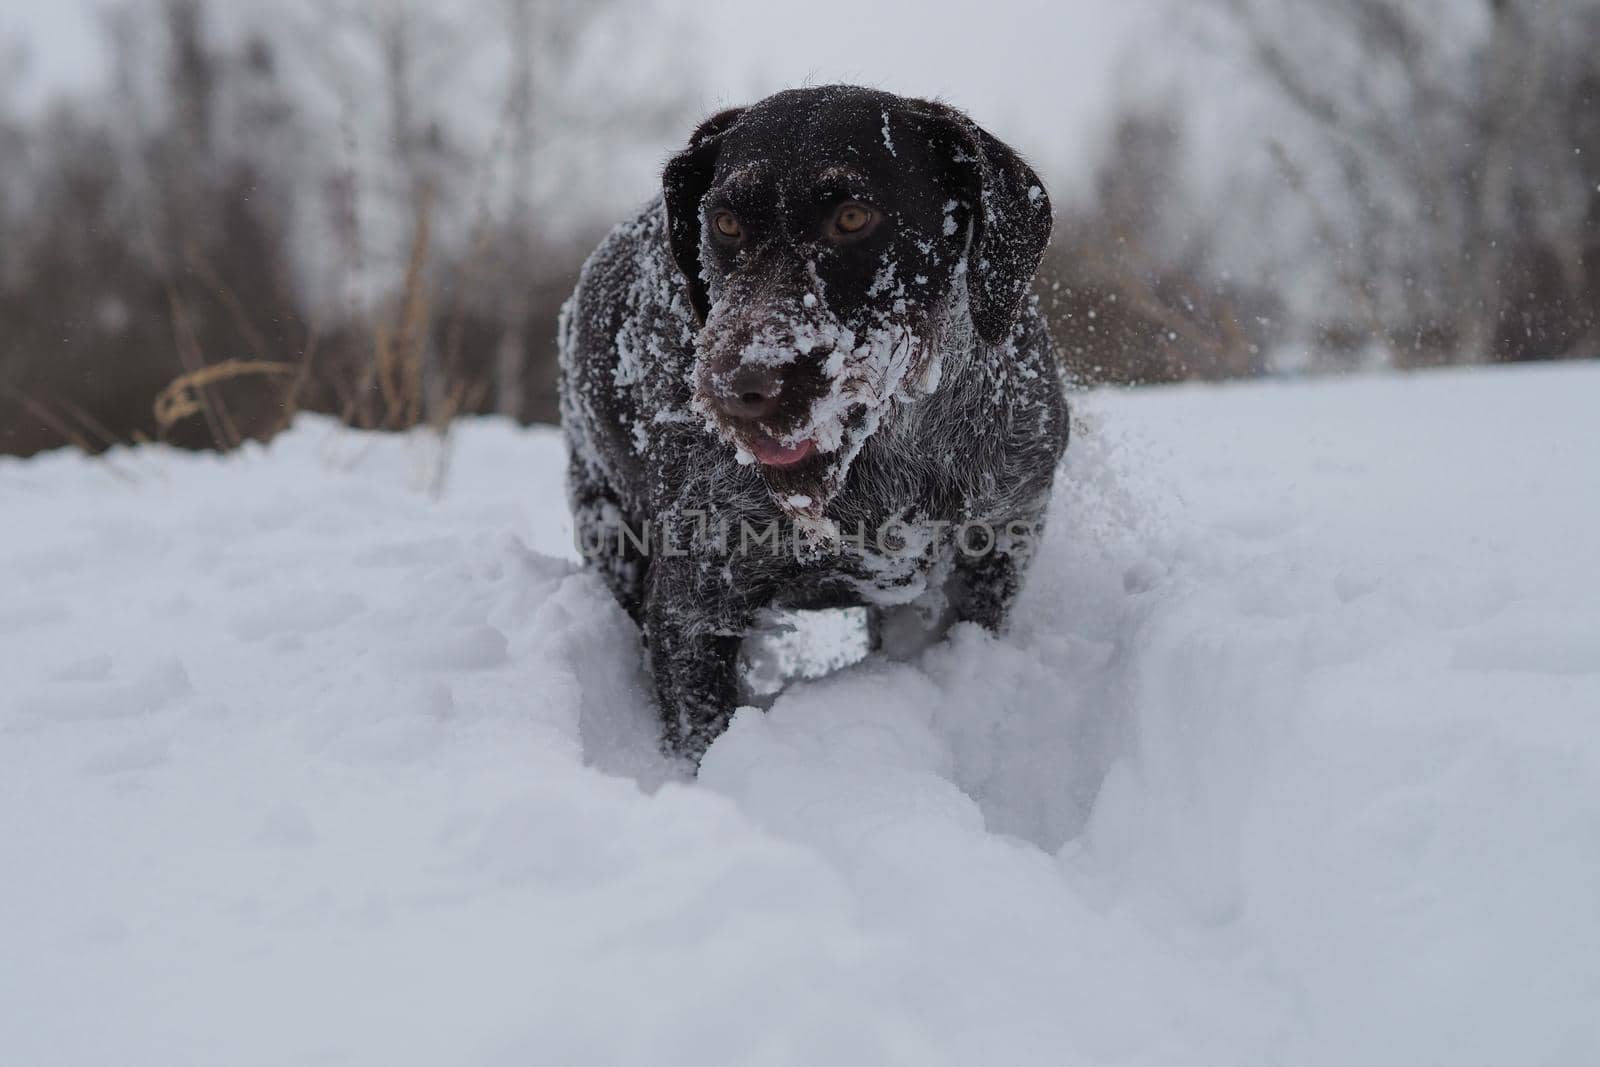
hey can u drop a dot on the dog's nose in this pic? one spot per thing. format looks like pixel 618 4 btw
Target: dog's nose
pixel 752 393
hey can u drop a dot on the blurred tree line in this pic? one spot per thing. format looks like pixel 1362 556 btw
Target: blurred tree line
pixel 1446 155
pixel 296 214
pixel 347 209
pixel 1394 183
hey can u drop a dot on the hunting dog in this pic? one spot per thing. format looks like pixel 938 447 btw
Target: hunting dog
pixel 809 375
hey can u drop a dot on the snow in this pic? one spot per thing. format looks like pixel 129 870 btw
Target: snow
pixel 1292 756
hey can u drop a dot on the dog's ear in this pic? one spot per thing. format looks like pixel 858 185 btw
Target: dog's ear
pixel 1010 219
pixel 683 185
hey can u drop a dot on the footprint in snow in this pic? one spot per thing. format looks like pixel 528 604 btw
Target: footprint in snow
pixel 19 617
pixel 81 701
pixel 295 616
pixel 137 755
pixel 471 648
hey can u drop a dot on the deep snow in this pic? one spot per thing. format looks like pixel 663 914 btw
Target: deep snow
pixel 1292 757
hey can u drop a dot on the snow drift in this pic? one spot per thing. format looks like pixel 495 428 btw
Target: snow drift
pixel 1292 756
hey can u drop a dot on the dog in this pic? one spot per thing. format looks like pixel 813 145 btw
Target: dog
pixel 809 375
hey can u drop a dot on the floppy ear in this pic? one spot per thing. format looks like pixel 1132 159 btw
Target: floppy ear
pixel 1010 222
pixel 683 185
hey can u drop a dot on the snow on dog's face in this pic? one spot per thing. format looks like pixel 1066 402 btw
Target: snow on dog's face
pixel 824 234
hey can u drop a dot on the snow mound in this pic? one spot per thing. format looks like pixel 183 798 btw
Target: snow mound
pixel 1292 756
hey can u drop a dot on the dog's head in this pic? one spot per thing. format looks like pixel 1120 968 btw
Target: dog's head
pixel 836 241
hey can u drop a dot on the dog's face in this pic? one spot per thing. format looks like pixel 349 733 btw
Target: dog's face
pixel 836 242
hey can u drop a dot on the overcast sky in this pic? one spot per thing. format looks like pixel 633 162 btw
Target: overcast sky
pixel 62 42
pixel 1038 73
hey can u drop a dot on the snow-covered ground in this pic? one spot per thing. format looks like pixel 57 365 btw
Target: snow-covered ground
pixel 1292 757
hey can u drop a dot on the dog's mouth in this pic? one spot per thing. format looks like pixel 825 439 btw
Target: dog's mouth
pixel 770 452
pixel 832 400
pixel 803 473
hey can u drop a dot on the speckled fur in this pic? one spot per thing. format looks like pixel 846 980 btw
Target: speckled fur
pixel 977 439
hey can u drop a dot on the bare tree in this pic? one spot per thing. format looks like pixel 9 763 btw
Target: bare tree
pixel 511 351
pixel 1134 287
pixel 1441 141
pixel 186 235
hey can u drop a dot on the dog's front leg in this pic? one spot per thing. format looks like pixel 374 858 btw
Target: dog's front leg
pixel 990 565
pixel 695 626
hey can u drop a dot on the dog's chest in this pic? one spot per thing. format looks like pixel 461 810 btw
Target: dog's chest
pixel 867 566
pixel 884 575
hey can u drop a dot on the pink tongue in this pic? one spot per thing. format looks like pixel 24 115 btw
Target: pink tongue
pixel 773 454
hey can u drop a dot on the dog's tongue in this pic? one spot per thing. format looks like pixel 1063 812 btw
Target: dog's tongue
pixel 770 452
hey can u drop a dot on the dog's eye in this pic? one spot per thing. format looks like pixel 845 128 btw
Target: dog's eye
pixel 853 219
pixel 727 228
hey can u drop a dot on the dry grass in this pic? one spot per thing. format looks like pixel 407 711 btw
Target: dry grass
pixel 189 393
pixel 399 373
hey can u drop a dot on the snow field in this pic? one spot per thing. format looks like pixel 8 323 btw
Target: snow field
pixel 1291 756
